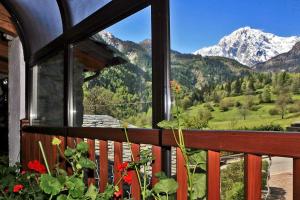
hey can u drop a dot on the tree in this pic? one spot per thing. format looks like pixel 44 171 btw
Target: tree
pixel 244 87
pixel 244 111
pixel 225 104
pixel 96 101
pixel 228 88
pixel 236 87
pixel 281 103
pixel 266 95
pixel 246 106
pixel 250 86
pixel 198 121
pixel 296 85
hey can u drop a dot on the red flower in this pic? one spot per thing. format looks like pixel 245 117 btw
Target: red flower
pixel 23 172
pixel 37 166
pixel 18 188
pixel 123 166
pixel 118 193
pixel 128 179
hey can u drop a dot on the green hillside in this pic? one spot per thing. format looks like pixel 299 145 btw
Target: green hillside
pixel 216 92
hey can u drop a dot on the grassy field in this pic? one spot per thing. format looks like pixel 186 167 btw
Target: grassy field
pixel 232 119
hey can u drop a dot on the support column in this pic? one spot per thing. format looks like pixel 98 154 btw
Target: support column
pixel 161 98
pixel 16 97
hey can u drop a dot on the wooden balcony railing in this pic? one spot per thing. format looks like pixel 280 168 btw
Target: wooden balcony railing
pixel 253 144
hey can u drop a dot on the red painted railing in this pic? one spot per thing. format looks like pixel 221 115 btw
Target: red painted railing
pixel 253 144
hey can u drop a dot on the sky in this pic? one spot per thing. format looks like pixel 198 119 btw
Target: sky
pixel 200 23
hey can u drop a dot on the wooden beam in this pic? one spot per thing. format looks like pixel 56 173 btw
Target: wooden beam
pixel 3 57
pixel 4 49
pixel 91 63
pixel 279 143
pixel 3 67
pixel 6 24
pixel 3 11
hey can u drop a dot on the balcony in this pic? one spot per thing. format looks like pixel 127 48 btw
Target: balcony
pixel 68 51
pixel 252 144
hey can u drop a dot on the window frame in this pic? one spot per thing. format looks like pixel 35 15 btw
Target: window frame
pixel 111 13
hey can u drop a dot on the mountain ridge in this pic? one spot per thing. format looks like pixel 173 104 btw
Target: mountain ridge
pixel 250 46
pixel 289 62
pixel 192 71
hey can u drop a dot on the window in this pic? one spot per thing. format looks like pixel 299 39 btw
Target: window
pixel 47 92
pixel 112 75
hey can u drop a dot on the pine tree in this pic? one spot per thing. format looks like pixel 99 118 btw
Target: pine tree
pixel 266 95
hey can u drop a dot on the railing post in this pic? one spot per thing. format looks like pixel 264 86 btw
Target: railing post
pixel 103 165
pixel 135 189
pixel 92 156
pixel 213 175
pixel 253 167
pixel 182 192
pixel 296 178
pixel 118 159
pixel 161 100
pixel 156 166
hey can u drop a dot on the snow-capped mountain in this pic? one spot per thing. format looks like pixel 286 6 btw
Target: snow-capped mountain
pixel 192 71
pixel 250 46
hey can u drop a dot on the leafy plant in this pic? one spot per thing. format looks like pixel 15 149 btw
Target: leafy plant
pixel 18 184
pixel 61 186
pixel 162 190
pixel 194 159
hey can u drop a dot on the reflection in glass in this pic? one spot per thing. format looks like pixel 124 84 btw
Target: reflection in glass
pixel 48 92
pixel 112 78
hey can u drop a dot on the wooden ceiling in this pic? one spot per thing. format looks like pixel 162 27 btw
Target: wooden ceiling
pixel 7 27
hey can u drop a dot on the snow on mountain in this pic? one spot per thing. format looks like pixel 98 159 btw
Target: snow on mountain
pixel 250 46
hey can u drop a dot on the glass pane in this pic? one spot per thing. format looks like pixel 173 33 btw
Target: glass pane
pixel 79 9
pixel 47 89
pixel 112 75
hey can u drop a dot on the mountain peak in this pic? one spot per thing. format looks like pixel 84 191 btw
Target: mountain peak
pixel 250 46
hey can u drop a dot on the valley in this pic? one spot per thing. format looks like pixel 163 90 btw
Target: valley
pixel 214 78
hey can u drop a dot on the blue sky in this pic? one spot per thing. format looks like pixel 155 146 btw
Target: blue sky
pixel 200 23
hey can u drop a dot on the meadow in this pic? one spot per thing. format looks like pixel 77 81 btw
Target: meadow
pixel 233 120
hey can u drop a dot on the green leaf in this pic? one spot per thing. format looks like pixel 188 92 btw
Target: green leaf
pixel 108 193
pixel 86 163
pixel 92 192
pixel 147 193
pixel 198 158
pixel 82 147
pixel 161 175
pixel 62 197
pixel 166 186
pixel 61 179
pixel 62 172
pixel 199 186
pixel 50 185
pixel 168 124
pixel 69 152
pixel 76 187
